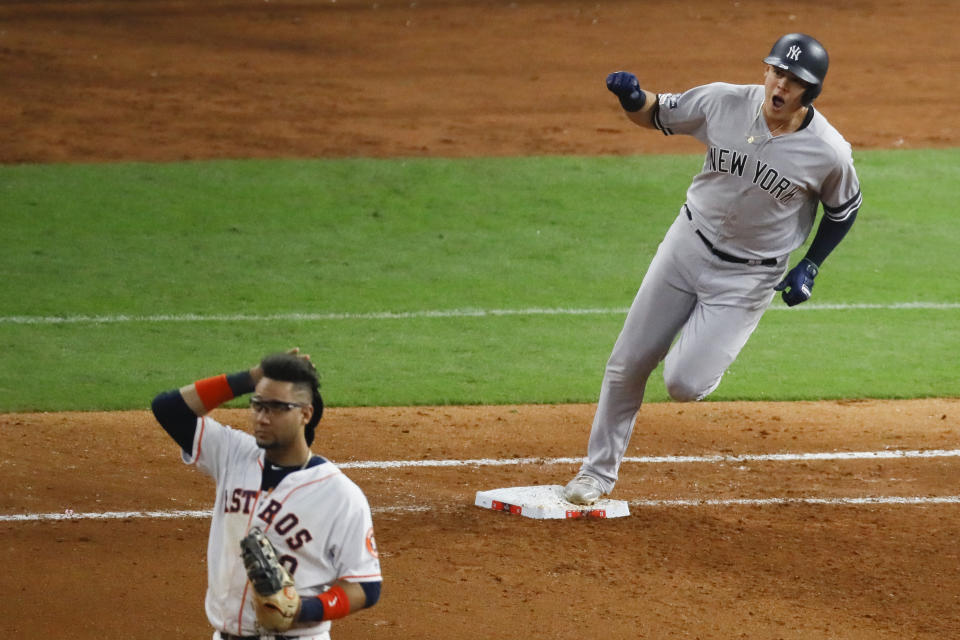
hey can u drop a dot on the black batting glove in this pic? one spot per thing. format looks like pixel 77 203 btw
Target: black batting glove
pixel 797 286
pixel 625 86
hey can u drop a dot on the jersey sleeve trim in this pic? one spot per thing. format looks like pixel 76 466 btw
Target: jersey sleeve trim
pixel 657 122
pixel 199 447
pixel 845 210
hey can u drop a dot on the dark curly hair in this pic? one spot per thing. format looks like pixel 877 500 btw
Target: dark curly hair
pixel 288 367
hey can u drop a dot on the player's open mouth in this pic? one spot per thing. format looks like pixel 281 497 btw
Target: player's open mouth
pixel 777 101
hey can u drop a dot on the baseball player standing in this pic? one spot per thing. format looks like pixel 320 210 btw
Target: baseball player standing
pixel 317 520
pixel 771 159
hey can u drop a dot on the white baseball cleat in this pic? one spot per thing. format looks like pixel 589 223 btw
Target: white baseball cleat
pixel 583 489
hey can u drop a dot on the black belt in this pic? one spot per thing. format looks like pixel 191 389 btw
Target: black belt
pixel 230 636
pixel 726 257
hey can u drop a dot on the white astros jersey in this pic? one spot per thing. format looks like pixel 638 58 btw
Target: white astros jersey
pixel 757 195
pixel 317 519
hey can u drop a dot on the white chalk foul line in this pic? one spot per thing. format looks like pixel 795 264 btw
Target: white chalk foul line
pixel 763 502
pixel 713 459
pixel 303 317
pixel 407 315
pixel 176 514
pixel 481 462
pixel 69 514
pixel 171 514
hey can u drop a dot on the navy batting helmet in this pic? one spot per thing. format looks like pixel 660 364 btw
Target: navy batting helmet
pixel 804 57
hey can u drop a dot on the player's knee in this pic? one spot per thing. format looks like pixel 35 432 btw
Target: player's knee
pixel 681 391
pixel 684 389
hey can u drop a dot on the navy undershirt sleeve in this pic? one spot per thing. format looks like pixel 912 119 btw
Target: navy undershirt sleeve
pixel 372 591
pixel 311 610
pixel 829 234
pixel 176 418
pixel 179 420
pixel 240 383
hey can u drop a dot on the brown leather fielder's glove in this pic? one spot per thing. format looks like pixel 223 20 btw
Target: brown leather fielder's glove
pixel 275 599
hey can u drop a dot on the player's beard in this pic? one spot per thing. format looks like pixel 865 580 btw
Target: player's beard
pixel 268 444
pixel 269 439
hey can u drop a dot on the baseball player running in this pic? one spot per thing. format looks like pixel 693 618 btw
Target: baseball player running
pixel 315 521
pixel 771 159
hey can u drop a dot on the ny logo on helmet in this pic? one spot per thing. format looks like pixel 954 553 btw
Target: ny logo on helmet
pixel 794 53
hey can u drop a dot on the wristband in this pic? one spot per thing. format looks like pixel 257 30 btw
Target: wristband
pixel 335 603
pixel 811 267
pixel 629 103
pixel 213 391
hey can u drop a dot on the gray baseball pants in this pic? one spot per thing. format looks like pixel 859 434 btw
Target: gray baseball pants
pixel 713 305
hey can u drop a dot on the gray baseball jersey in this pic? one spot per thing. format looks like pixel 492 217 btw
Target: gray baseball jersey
pixel 755 199
pixel 757 195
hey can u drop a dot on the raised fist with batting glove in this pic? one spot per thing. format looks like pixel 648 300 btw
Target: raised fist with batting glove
pixel 797 286
pixel 625 86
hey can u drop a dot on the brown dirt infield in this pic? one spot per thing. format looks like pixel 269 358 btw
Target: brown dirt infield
pixel 166 80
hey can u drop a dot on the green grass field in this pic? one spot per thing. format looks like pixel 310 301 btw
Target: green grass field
pixel 435 281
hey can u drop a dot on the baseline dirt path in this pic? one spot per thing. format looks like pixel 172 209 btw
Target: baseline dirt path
pixel 457 571
pixel 165 80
